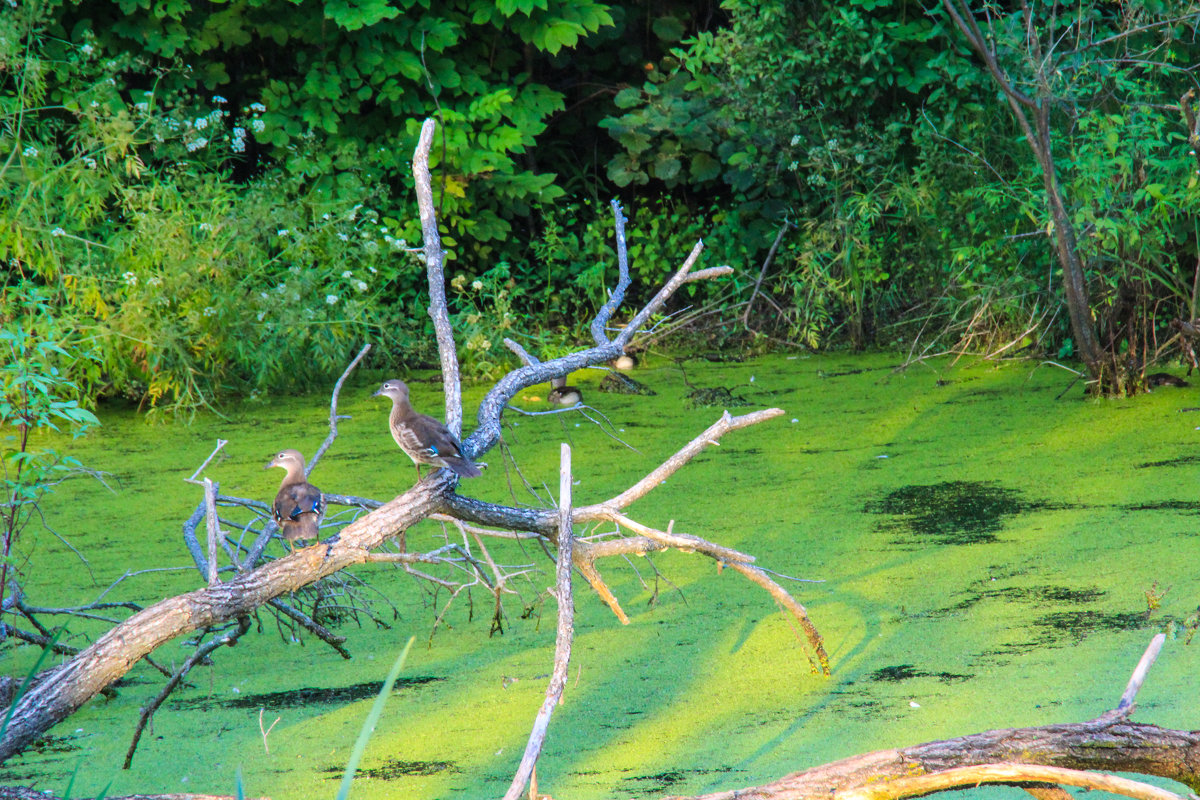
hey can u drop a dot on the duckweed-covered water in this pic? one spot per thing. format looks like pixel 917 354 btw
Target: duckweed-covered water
pixel 980 551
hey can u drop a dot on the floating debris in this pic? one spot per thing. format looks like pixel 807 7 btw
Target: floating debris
pixel 616 383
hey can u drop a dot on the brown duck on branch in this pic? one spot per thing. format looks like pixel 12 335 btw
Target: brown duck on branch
pixel 422 438
pixel 299 506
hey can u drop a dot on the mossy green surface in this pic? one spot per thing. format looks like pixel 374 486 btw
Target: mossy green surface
pixel 980 546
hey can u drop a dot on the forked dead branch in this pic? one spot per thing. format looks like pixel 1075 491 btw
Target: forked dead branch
pixel 250 585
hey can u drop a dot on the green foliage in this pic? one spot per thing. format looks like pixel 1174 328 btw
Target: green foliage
pixel 38 348
pixel 486 315
pixel 334 93
pixel 186 285
pixel 909 183
pixel 762 112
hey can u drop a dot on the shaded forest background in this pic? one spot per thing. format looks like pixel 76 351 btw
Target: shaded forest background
pixel 211 199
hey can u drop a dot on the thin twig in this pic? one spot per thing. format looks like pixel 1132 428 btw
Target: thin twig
pixel 334 417
pixel 201 652
pixel 220 443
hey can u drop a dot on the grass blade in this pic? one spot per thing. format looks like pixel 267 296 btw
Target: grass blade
pixel 71 782
pixel 372 718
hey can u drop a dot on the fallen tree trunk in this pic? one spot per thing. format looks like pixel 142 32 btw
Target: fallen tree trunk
pixel 1036 759
pixel 1116 746
pixel 62 690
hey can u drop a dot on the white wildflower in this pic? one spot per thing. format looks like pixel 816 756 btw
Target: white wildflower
pixel 331 299
pixel 258 107
pixel 205 226
pixel 360 286
pixel 209 311
pixel 129 278
pixel 347 274
pixel 477 285
pixel 282 232
pixel 261 315
pixel 89 162
pixel 30 151
pixel 87 49
pixel 58 232
pixel 196 144
pixel 154 280
pixel 218 99
pixel 343 237
pixel 201 123
pixel 143 106
pixel 257 125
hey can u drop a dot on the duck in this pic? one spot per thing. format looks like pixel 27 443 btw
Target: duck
pixel 564 395
pixel 422 438
pixel 625 361
pixel 299 506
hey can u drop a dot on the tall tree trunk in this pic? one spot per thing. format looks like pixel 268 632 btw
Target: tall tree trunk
pixel 1083 324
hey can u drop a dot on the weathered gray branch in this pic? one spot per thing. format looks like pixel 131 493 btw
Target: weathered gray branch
pixel 434 260
pixel 565 635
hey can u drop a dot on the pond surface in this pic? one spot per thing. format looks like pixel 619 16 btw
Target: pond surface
pixel 980 551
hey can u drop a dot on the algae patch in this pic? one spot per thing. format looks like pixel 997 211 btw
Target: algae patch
pixel 904 672
pixel 394 769
pixel 951 512
pixel 1036 595
pixel 662 781
pixel 303 697
pixel 1181 461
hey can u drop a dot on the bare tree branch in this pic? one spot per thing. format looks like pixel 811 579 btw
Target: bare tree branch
pixel 566 632
pixel 434 260
pixel 334 417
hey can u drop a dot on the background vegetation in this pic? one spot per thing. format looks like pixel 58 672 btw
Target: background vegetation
pixel 215 198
